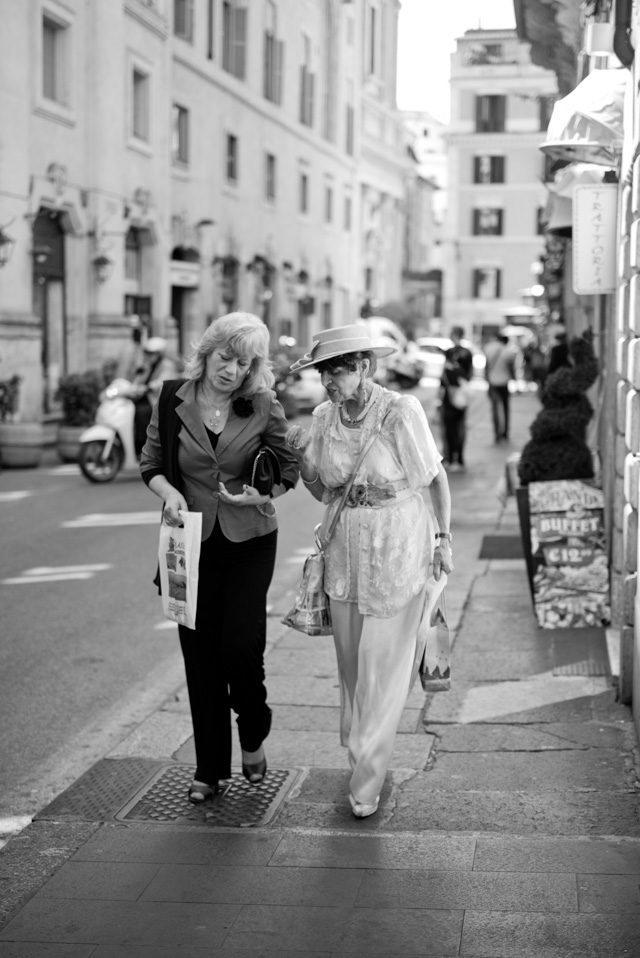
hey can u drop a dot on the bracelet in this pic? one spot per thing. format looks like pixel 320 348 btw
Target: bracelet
pixel 444 535
pixel 310 482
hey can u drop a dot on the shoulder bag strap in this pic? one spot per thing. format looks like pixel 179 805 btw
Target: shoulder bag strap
pixel 347 488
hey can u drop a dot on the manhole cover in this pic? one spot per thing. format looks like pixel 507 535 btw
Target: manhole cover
pixel 163 798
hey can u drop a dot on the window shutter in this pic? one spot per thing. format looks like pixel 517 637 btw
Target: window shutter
pixel 279 70
pixel 476 222
pixel 227 25
pixel 476 169
pixel 499 169
pixel 266 64
pixel 498 283
pixel 311 82
pixel 239 57
pixel 479 114
pixel 501 113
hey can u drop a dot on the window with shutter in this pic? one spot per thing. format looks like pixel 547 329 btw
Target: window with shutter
pixel 240 43
pixel 329 73
pixel 232 158
pixel 140 105
pixel 234 39
pixel 54 61
pixel 180 135
pixel 487 222
pixel 307 84
pixel 183 19
pixel 486 283
pixel 270 176
pixel 490 114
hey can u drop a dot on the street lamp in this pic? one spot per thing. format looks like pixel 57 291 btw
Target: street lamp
pixel 6 247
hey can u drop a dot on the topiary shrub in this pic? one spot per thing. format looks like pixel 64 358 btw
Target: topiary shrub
pixel 79 394
pixel 557 448
pixel 9 395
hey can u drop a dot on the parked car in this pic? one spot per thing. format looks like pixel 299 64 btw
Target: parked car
pixel 305 390
pixel 403 367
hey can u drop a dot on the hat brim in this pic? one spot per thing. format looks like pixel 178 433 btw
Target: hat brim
pixel 306 361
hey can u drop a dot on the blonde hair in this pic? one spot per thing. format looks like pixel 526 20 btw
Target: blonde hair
pixel 247 337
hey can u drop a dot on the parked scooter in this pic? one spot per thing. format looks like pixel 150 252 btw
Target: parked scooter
pixel 108 446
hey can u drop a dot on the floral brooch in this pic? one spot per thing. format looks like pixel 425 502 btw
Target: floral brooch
pixel 242 407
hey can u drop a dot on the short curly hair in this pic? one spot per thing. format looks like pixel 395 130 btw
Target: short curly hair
pixel 248 337
pixel 348 361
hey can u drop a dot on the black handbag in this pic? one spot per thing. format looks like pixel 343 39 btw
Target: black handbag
pixel 266 471
pixel 264 476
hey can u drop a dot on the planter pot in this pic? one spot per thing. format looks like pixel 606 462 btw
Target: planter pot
pixel 21 444
pixel 68 444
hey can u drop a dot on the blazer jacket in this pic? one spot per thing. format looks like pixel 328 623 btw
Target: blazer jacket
pixel 179 449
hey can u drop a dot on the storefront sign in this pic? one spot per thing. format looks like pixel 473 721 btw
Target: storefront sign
pixel 594 238
pixel 569 569
pixel 184 274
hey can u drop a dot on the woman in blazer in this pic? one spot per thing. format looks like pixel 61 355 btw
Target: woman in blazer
pixel 201 444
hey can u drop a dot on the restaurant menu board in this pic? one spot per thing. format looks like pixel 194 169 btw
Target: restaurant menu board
pixel 570 577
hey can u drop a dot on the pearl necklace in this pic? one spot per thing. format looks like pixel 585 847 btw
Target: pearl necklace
pixel 345 415
pixel 358 419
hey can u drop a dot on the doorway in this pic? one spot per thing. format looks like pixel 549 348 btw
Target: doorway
pixel 49 302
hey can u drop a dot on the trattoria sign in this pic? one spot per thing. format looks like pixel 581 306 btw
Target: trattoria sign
pixel 570 582
pixel 594 238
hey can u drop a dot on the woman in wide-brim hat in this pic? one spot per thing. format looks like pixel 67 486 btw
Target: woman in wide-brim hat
pixel 385 546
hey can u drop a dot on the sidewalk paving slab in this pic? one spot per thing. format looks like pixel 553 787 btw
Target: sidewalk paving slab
pixel 509 823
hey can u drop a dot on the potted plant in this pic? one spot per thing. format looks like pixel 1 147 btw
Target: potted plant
pixel 20 442
pixel 79 394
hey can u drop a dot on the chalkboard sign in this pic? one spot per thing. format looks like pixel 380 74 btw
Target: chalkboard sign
pixel 568 567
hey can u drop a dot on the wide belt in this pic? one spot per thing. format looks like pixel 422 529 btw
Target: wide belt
pixel 371 496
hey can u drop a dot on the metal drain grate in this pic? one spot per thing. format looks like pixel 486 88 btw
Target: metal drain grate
pixel 98 794
pixel 164 799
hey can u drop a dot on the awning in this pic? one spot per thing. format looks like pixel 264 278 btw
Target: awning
pixel 587 124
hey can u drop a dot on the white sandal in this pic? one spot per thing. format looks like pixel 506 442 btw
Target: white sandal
pixel 361 810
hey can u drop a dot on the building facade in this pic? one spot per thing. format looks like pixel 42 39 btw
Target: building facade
pixel 500 106
pixel 577 42
pixel 166 161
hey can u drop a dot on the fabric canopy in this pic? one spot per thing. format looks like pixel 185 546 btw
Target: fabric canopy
pixel 587 124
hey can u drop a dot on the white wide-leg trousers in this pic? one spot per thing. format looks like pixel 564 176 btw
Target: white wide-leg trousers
pixel 375 662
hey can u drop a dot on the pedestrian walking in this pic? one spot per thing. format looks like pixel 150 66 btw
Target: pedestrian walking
pixel 377 561
pixel 499 371
pixel 453 409
pixel 559 355
pixel 201 443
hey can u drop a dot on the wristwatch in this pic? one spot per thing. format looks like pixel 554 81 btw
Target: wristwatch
pixel 444 535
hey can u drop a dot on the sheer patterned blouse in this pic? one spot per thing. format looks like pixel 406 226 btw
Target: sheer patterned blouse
pixel 379 554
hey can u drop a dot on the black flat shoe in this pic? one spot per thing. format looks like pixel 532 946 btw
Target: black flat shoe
pixel 199 792
pixel 254 774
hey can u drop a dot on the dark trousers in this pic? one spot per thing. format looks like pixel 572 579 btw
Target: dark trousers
pixel 454 432
pixel 224 654
pixel 499 397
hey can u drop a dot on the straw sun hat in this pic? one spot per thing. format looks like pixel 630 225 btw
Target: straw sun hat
pixel 329 343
